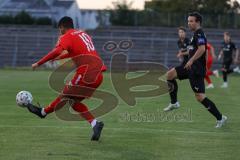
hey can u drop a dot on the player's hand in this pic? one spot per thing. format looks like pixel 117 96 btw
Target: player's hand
pixel 34 66
pixel 179 55
pixel 189 64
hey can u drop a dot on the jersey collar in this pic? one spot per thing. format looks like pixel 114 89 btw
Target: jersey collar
pixel 70 31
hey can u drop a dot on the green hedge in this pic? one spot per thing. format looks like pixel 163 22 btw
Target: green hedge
pixel 24 18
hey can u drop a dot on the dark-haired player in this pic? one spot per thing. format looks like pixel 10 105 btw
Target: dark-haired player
pixel 74 44
pixel 227 52
pixel 183 43
pixel 196 68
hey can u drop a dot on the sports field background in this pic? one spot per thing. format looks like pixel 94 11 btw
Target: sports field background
pixel 26 137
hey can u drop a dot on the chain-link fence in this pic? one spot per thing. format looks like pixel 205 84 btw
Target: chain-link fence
pixel 163 19
pixel 22 46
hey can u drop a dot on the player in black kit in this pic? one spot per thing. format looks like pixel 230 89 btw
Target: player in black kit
pixel 227 51
pixel 183 44
pixel 195 68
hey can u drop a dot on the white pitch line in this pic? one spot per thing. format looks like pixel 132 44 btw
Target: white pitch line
pixel 121 129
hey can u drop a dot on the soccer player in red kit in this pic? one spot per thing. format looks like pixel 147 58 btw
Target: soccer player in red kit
pixel 210 58
pixel 73 44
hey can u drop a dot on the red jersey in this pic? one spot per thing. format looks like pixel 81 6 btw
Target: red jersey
pixel 209 53
pixel 78 44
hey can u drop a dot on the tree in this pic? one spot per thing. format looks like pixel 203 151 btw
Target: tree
pixel 203 6
pixel 171 5
pixel 43 21
pixel 6 19
pixel 23 18
pixel 217 13
pixel 122 14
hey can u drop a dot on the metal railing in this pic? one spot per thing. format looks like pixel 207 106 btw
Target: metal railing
pixel 22 49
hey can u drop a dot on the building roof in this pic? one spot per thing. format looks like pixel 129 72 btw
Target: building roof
pixel 25 4
pixel 63 3
pixel 35 4
pixel 39 4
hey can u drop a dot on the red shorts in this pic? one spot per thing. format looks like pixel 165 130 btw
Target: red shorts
pixel 209 63
pixel 79 88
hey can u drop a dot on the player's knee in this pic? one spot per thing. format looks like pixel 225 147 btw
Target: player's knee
pixel 200 97
pixel 171 74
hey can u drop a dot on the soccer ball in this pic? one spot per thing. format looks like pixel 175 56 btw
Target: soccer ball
pixel 23 98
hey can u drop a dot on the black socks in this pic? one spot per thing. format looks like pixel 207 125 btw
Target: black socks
pixel 212 108
pixel 225 74
pixel 173 89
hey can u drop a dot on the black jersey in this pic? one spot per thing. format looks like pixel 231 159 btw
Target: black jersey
pixel 199 66
pixel 183 46
pixel 228 49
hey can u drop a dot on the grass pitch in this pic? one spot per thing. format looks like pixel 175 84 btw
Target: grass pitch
pixel 142 132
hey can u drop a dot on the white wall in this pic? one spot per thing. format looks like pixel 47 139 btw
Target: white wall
pixel 88 19
pixel 73 12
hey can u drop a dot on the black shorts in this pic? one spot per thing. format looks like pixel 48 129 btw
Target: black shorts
pixel 196 81
pixel 182 73
pixel 226 64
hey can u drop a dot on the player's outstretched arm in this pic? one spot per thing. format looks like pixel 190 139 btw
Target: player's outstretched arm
pixel 50 56
pixel 63 55
pixel 220 54
pixel 236 56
